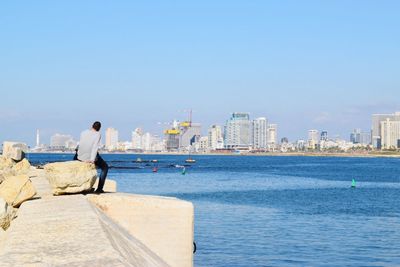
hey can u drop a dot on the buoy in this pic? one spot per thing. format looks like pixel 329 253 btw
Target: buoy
pixel 183 171
pixel 155 169
pixel 353 183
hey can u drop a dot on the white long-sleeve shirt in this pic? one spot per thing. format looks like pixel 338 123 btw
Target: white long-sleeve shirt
pixel 88 145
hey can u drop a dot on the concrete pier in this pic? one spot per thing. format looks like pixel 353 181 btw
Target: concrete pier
pixel 107 230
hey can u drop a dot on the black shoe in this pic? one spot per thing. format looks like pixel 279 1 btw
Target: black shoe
pixel 91 190
pixel 99 191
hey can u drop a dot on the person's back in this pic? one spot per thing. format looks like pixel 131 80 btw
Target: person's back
pixel 88 152
pixel 88 145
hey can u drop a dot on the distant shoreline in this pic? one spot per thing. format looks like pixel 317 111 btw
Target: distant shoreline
pixel 270 154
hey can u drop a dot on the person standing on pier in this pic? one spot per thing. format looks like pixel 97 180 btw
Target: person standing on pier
pixel 87 151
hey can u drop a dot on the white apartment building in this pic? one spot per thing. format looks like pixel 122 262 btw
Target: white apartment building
pixel 137 139
pixel 111 139
pixel 202 144
pixel 147 142
pixel 313 139
pixel 376 131
pixel 215 137
pixel 390 134
pixel 272 136
pixel 238 131
pixel 260 133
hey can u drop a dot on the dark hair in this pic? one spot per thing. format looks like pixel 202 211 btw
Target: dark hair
pixel 96 125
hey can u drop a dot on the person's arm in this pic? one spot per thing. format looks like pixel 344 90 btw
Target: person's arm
pixel 95 148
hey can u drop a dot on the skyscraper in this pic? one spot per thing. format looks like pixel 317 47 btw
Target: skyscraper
pixel 259 133
pixel 324 136
pixel 238 131
pixel 376 129
pixel 137 139
pixel 190 133
pixel 215 138
pixel 111 138
pixel 272 136
pixel 313 139
pixel 390 134
pixel 359 137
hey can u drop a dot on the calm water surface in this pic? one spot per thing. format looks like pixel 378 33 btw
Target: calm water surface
pixel 277 211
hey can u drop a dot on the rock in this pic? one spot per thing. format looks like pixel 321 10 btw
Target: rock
pixel 2 234
pixel 7 214
pixel 6 163
pixel 70 177
pixel 21 167
pixel 4 221
pixel 17 189
pixel 14 150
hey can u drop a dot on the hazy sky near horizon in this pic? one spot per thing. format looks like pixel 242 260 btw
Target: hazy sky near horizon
pixel 325 65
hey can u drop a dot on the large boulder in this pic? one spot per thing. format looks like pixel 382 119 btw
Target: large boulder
pixel 21 167
pixel 6 163
pixel 7 214
pixel 14 150
pixel 17 189
pixel 8 167
pixel 70 177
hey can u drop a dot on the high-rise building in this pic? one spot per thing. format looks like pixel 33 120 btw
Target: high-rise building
pixel 147 142
pixel 359 137
pixel 272 136
pixel 202 144
pixel 215 138
pixel 111 138
pixel 137 139
pixel 189 134
pixel 182 135
pixel 238 131
pixel 158 144
pixel 324 136
pixel 260 133
pixel 313 139
pixel 376 130
pixel 390 134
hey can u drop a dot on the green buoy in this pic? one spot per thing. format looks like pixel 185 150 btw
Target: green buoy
pixel 353 183
pixel 183 171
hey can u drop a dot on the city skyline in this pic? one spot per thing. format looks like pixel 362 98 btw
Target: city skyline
pixel 305 65
pixel 123 136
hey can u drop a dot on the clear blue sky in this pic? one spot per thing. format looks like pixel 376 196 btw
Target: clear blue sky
pixel 303 64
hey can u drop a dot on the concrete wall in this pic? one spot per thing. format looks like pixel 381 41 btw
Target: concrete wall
pixel 165 225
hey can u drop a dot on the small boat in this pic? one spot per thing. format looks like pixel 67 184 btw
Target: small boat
pixel 190 160
pixel 154 161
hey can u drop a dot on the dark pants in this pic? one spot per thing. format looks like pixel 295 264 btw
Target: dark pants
pixel 100 164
